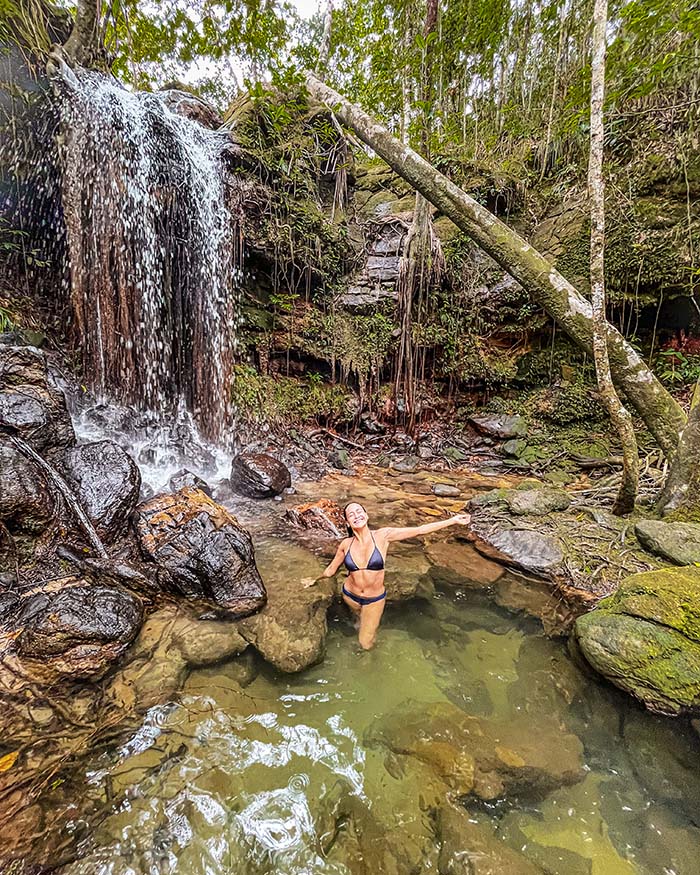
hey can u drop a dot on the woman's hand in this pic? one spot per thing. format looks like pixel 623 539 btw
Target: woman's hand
pixel 306 582
pixel 462 519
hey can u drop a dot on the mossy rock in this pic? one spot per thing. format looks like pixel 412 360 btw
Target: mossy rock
pixel 375 177
pixel 645 639
pixel 675 541
pixel 446 229
pixel 493 496
pixel 537 502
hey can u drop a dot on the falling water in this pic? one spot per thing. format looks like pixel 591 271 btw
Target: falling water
pixel 152 250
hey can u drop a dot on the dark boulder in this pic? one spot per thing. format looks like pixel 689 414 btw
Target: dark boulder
pixel 80 628
pixel 30 406
pixel 106 481
pixel 258 475
pixel 26 502
pixel 201 549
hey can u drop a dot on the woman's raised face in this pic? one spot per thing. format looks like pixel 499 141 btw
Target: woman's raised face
pixel 356 515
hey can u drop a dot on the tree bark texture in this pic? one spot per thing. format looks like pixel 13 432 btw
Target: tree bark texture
pixel 682 489
pixel 662 414
pixel 619 415
pixel 325 49
pixel 83 46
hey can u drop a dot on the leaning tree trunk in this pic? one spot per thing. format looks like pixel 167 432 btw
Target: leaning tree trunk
pixel 663 416
pixel 619 415
pixel 682 489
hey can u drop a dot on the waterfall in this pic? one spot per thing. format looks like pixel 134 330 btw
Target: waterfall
pixel 153 250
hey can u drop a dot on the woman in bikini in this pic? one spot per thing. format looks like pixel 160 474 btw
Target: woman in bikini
pixel 363 555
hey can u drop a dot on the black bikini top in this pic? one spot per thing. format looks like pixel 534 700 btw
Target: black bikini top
pixel 376 560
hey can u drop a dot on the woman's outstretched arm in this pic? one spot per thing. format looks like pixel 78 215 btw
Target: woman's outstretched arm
pixel 332 567
pixel 392 534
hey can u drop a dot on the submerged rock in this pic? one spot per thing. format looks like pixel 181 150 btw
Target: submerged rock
pixel 106 481
pixel 202 550
pixel 469 848
pixel 524 758
pixel 290 631
pixel 677 542
pixel 502 426
pixel 645 639
pixel 258 475
pixel 30 406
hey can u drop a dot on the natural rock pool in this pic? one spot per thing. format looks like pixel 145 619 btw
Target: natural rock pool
pixel 466 743
pixel 350 766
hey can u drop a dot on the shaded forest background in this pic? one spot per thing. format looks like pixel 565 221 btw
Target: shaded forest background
pixel 496 95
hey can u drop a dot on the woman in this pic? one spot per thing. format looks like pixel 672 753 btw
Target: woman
pixel 363 555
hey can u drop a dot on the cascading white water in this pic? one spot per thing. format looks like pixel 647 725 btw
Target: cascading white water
pixel 151 248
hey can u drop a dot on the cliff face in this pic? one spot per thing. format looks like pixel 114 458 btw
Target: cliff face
pixel 478 328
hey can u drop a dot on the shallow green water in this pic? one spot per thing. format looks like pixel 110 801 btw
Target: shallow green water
pixel 254 772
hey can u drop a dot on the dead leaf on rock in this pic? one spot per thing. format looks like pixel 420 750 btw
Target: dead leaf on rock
pixel 8 760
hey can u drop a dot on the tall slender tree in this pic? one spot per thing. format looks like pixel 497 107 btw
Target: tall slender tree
pixel 619 415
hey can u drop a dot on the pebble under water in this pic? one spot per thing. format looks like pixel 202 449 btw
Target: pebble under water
pixel 252 771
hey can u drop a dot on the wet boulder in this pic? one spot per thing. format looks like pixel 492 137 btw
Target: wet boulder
pixel 184 477
pixel 106 481
pixel 30 406
pixel 645 639
pixel 500 425
pixel 76 628
pixel 26 502
pixel 523 758
pixel 323 515
pixel 201 550
pixel 258 475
